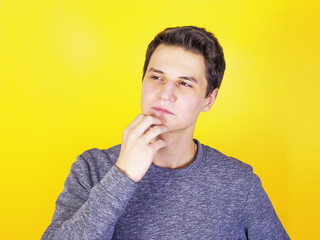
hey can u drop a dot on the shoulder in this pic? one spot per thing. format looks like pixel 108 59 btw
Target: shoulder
pixel 218 158
pixel 228 176
pixel 226 167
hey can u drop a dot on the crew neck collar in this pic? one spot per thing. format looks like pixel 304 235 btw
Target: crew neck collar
pixel 184 170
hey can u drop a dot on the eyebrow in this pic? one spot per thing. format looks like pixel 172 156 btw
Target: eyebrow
pixel 192 79
pixel 155 70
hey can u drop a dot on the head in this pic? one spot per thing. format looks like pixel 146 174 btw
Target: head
pixel 198 41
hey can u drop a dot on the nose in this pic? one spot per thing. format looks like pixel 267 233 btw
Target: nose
pixel 167 92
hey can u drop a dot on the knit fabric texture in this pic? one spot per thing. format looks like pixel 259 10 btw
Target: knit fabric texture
pixel 214 197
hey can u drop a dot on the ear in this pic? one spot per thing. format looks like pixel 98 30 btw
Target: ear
pixel 210 100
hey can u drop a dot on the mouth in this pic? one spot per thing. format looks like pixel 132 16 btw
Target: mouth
pixel 162 110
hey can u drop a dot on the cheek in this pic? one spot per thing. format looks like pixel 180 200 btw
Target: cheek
pixel 191 104
pixel 145 98
pixel 145 89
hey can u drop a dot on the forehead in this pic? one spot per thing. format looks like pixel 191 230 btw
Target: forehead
pixel 177 60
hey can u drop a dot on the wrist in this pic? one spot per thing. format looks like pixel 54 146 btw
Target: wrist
pixel 135 179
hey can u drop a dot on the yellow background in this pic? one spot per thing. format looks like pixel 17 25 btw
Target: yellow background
pixel 70 79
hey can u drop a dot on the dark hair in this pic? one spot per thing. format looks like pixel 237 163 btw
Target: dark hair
pixel 199 41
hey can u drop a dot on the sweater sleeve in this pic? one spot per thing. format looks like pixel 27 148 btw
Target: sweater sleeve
pixel 262 221
pixel 85 210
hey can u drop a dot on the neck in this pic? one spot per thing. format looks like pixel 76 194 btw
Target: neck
pixel 179 152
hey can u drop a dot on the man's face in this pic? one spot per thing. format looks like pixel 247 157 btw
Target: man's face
pixel 174 87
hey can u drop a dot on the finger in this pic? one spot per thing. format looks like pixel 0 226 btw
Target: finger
pixel 144 125
pixel 136 121
pixel 158 145
pixel 132 125
pixel 153 133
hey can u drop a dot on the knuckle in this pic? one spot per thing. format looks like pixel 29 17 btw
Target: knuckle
pixel 132 135
pixel 124 135
pixel 151 119
pixel 148 118
pixel 158 129
pixel 143 141
pixel 148 149
pixel 140 141
pixel 125 131
pixel 153 148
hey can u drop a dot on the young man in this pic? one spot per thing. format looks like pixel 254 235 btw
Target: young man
pixel 161 183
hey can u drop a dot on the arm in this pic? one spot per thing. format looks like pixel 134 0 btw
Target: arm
pixel 84 211
pixel 90 211
pixel 261 219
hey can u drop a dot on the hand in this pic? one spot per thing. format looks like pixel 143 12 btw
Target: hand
pixel 139 144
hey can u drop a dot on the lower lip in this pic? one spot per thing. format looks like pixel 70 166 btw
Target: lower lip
pixel 162 111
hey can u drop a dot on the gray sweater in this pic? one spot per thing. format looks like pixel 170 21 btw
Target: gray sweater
pixel 215 197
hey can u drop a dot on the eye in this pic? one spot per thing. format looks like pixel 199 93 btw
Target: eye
pixel 185 84
pixel 155 77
